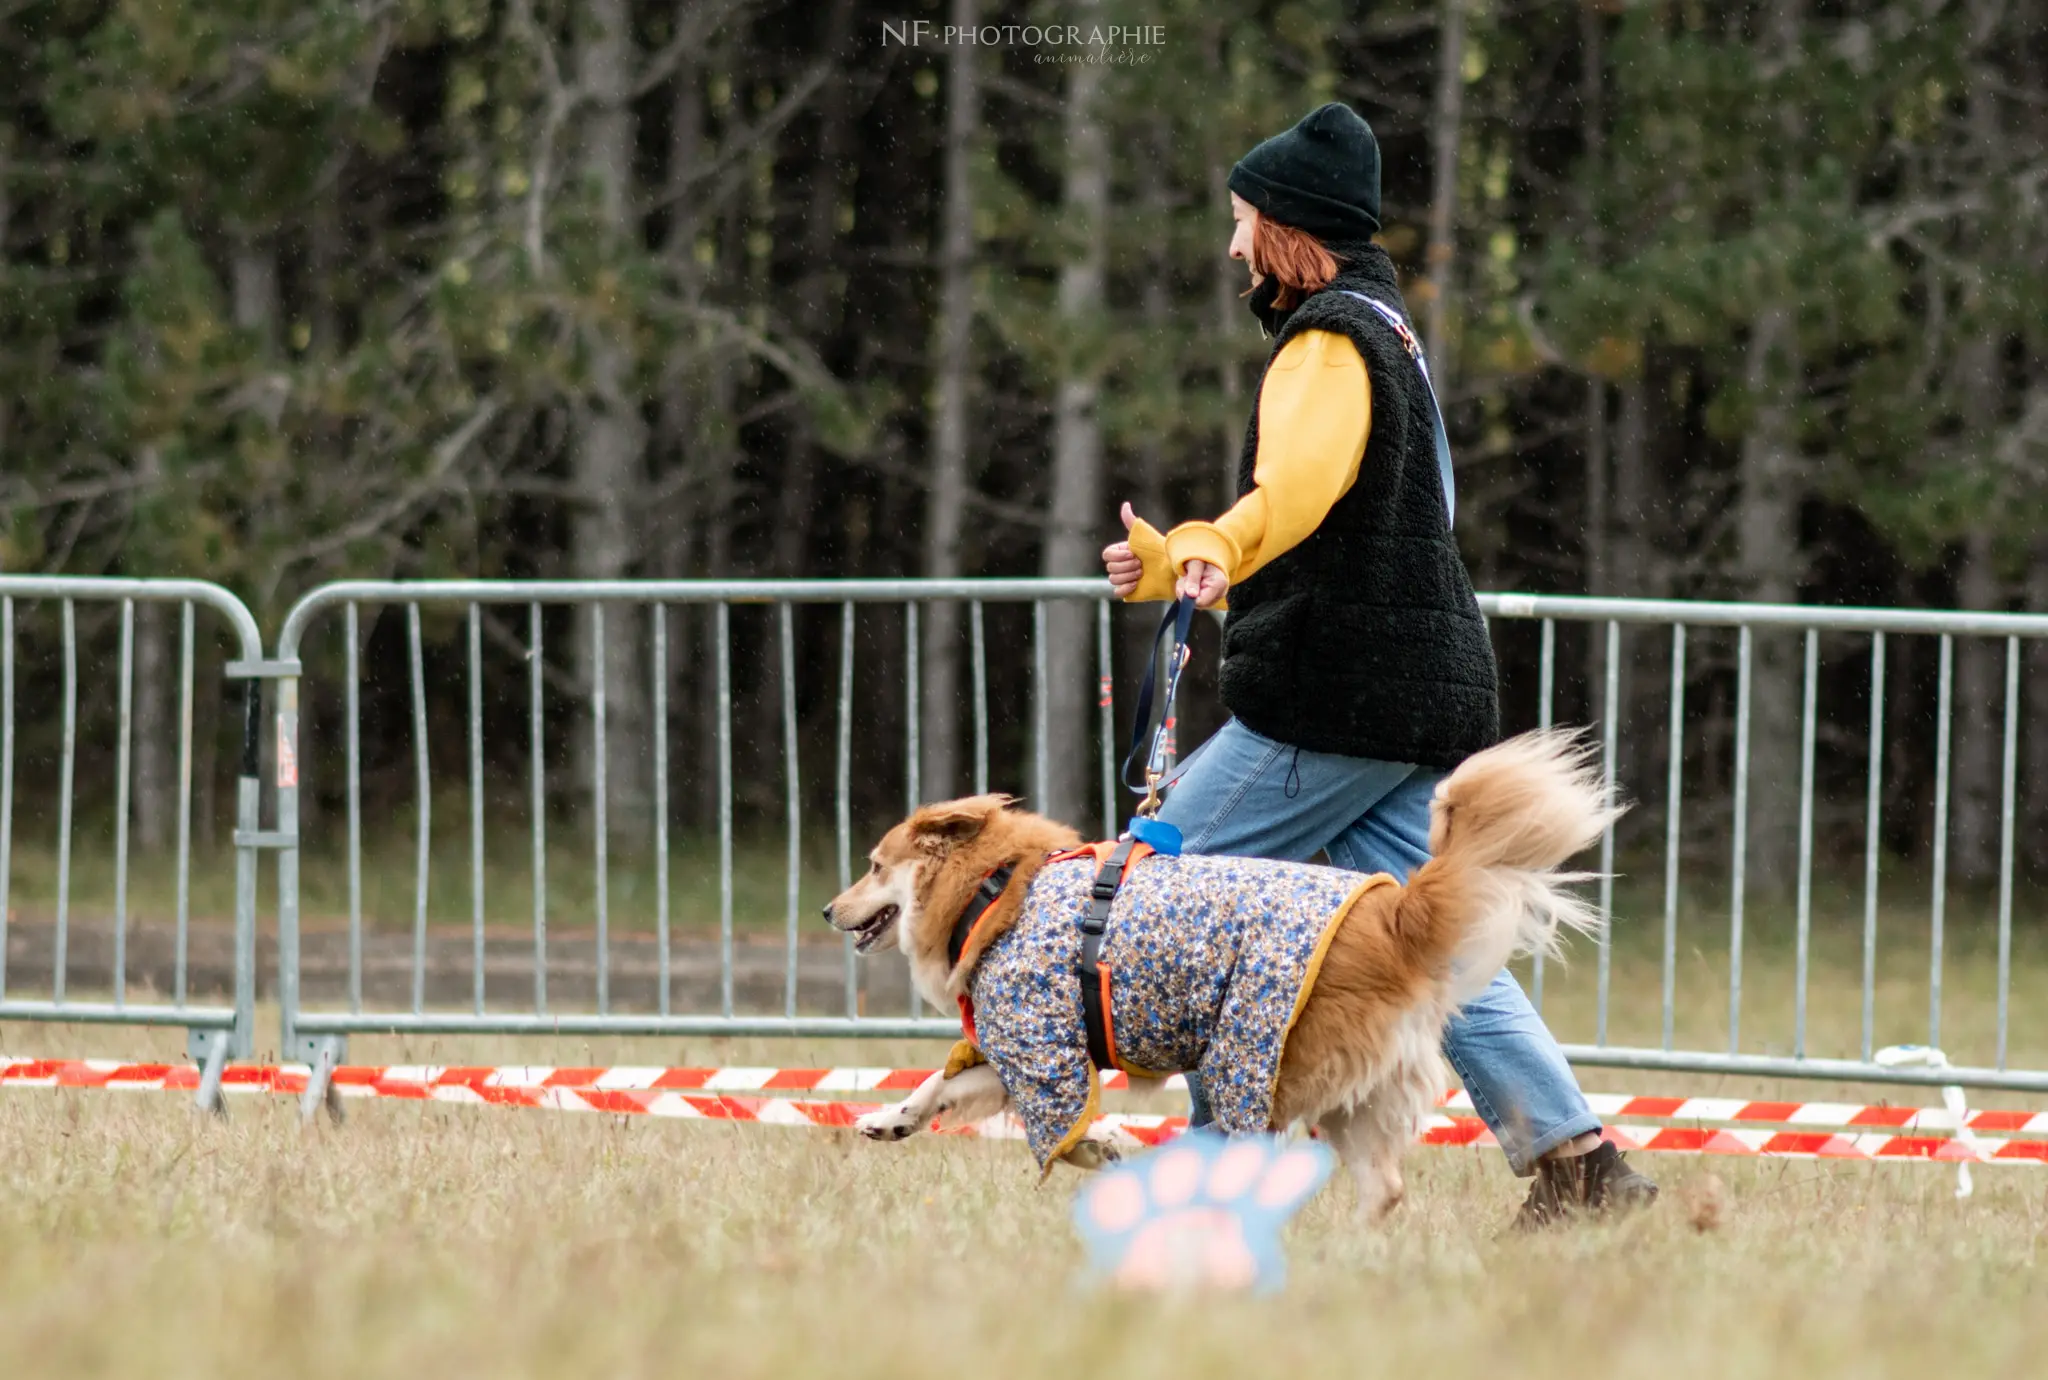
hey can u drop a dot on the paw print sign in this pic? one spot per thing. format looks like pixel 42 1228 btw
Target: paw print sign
pixel 1204 1212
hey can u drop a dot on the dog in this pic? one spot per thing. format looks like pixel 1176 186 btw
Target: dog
pixel 1302 993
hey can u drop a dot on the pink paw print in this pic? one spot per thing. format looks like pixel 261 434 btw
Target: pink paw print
pixel 1201 1213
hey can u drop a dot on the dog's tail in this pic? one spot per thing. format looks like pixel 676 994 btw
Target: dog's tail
pixel 1501 826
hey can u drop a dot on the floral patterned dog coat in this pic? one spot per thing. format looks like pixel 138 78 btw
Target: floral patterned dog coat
pixel 1210 961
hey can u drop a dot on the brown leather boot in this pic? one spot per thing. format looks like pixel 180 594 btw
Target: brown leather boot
pixel 1589 1185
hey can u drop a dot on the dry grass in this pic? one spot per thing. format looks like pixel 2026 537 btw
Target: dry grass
pixel 139 1238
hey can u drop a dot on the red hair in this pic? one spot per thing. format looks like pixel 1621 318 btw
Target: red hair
pixel 1295 257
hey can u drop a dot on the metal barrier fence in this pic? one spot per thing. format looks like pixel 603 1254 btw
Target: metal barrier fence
pixel 1610 617
pixel 217 1033
pixel 711 960
pixel 318 1034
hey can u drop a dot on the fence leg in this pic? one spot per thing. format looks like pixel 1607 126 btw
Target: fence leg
pixel 209 1097
pixel 320 1089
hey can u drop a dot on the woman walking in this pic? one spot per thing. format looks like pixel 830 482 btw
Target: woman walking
pixel 1356 665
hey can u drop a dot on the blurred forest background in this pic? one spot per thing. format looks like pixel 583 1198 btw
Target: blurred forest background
pixel 1727 299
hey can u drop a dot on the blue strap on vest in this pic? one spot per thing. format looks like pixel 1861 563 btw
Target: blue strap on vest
pixel 1414 346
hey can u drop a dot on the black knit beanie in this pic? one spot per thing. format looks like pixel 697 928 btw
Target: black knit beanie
pixel 1322 176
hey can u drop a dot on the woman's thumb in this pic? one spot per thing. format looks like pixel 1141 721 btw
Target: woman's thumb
pixel 1128 516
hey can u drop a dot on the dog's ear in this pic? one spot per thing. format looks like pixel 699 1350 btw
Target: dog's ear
pixel 957 821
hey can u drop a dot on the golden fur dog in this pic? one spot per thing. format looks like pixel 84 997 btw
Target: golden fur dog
pixel 1362 1059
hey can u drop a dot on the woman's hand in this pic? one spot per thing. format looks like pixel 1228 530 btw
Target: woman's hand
pixel 1123 565
pixel 1206 584
pixel 1200 581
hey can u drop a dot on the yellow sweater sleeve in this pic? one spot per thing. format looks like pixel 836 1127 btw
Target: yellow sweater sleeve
pixel 1315 414
pixel 1155 577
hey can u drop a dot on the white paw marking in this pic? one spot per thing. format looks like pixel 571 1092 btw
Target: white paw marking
pixel 1094 1154
pixel 887 1123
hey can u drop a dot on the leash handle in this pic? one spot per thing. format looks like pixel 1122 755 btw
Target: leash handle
pixel 1178 621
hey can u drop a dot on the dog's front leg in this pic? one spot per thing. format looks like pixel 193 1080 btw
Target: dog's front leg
pixel 905 1118
pixel 973 1094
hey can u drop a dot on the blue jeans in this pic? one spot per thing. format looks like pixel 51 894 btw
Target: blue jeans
pixel 1244 794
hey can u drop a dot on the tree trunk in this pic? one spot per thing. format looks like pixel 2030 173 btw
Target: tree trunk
pixel 252 284
pixel 327 250
pixel 678 447
pixel 253 290
pixel 1617 484
pixel 1977 785
pixel 717 441
pixel 1770 485
pixel 1594 534
pixel 6 218
pixel 1592 116
pixel 1075 507
pixel 717 563
pixel 685 151
pixel 819 293
pixel 1632 572
pixel 1632 559
pixel 2034 715
pixel 2034 737
pixel 1593 541
pixel 1446 127
pixel 945 516
pixel 154 731
pixel 1769 566
pixel 1978 723
pixel 608 440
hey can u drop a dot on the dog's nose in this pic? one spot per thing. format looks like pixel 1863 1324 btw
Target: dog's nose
pixel 828 912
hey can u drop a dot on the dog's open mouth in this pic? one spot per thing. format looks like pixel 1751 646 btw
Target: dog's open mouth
pixel 877 928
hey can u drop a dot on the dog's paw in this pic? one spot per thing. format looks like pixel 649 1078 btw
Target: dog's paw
pixel 1094 1154
pixel 888 1123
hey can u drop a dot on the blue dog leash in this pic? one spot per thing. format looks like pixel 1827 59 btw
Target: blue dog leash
pixel 1161 837
pixel 1152 736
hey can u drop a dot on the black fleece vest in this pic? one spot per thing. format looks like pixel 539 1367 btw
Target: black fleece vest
pixel 1365 639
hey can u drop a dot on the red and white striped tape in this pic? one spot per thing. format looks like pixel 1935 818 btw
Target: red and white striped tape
pixel 404 1080
pixel 1776 1144
pixel 1847 1114
pixel 723 1094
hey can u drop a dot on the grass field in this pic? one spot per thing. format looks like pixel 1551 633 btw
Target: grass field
pixel 138 1238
